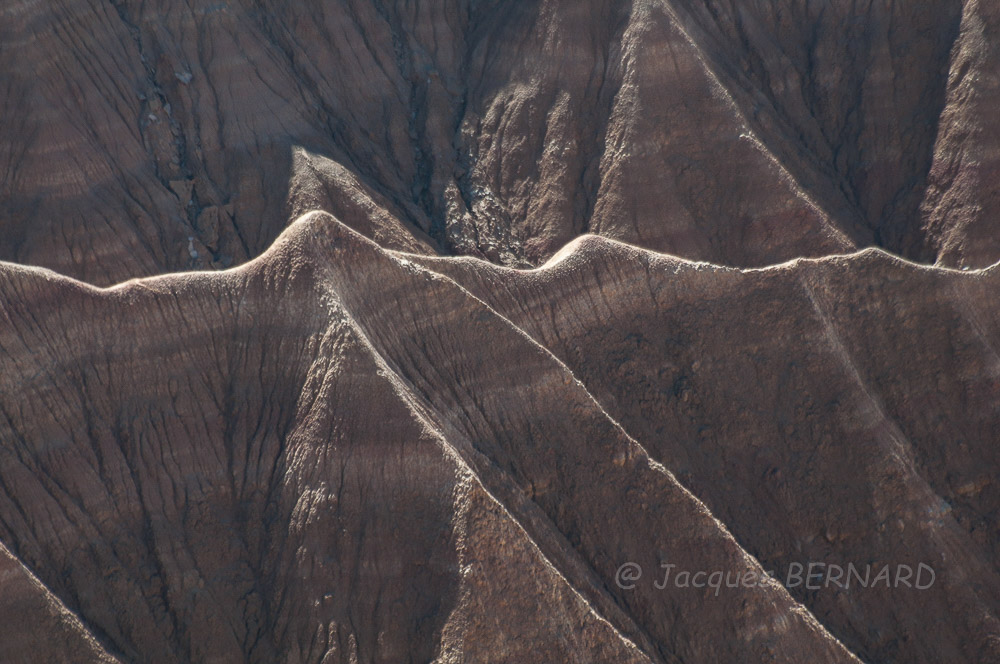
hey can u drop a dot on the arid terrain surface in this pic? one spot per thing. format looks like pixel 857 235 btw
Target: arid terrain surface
pixel 382 331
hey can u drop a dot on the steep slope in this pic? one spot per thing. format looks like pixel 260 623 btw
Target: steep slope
pixel 962 200
pixel 602 290
pixel 32 616
pixel 141 138
pixel 846 94
pixel 840 411
pixel 308 467
pixel 334 453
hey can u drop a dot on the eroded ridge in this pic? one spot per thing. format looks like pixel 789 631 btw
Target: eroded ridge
pixel 338 452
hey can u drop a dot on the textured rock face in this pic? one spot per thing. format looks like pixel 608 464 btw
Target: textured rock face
pixel 144 137
pixel 338 452
pixel 781 394
pixel 234 429
pixel 962 199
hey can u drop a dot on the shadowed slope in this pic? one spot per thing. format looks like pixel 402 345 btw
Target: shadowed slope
pixel 31 613
pixel 837 411
pixel 358 447
pixel 142 138
pixel 285 459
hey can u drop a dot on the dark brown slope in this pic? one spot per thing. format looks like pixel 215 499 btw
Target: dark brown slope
pixel 285 461
pixel 141 138
pixel 962 201
pixel 846 94
pixel 838 411
pixel 334 452
pixel 363 450
pixel 36 625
